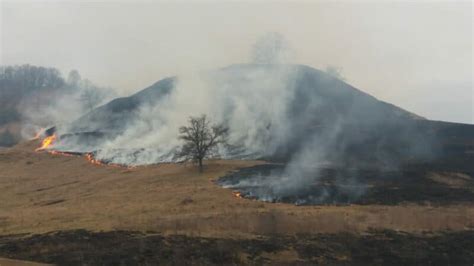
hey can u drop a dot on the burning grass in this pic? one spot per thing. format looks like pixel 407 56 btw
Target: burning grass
pixel 47 142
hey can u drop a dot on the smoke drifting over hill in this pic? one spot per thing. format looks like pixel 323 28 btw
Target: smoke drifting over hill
pixel 251 100
pixel 401 53
pixel 36 97
pixel 289 113
pixel 304 117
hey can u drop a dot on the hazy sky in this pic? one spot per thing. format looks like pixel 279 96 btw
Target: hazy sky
pixel 417 54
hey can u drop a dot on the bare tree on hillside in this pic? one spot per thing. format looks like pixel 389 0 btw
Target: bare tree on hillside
pixel 201 139
pixel 90 98
pixel 74 79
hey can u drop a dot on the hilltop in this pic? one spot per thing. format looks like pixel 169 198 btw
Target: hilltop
pixel 283 108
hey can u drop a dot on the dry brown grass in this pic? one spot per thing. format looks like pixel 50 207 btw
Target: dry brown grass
pixel 40 192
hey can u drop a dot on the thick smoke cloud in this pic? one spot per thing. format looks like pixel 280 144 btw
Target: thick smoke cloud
pixel 306 118
pixel 252 100
pixel 40 113
pixel 274 111
pixel 58 107
pixel 254 109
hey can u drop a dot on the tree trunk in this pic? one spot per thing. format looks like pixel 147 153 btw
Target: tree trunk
pixel 200 166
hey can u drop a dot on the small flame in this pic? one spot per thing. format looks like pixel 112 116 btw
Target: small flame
pixel 92 160
pixel 238 194
pixel 60 153
pixel 47 142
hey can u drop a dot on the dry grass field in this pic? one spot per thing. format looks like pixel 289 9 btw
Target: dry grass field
pixel 66 210
pixel 42 192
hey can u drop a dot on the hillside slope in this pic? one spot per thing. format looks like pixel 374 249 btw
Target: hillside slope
pixel 273 111
pixel 309 84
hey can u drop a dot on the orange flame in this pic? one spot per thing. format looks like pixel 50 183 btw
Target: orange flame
pixel 60 153
pixel 47 142
pixel 92 160
pixel 237 194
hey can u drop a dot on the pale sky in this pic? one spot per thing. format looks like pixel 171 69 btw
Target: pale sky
pixel 414 54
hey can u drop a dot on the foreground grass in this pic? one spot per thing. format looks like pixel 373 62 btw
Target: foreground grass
pixel 40 193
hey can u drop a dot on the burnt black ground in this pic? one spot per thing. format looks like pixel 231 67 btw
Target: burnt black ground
pixel 82 247
pixel 409 184
pixel 365 181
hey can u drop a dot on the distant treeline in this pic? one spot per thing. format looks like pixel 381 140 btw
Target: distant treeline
pixel 27 84
pixel 18 81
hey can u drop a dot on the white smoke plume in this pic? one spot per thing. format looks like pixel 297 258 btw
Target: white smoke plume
pixel 271 109
pixel 58 107
pixel 254 111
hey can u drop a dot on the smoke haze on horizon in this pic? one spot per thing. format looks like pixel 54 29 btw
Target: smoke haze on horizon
pixel 417 55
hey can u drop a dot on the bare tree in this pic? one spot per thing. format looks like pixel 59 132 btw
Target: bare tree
pixel 201 139
pixel 90 98
pixel 74 79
